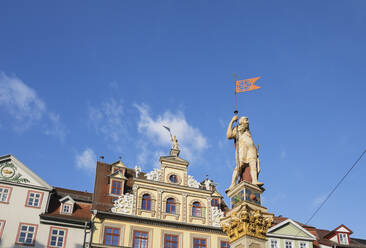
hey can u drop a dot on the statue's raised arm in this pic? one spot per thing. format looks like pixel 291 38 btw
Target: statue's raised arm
pixel 231 132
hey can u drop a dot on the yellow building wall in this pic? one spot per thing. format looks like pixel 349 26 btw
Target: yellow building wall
pixel 156 234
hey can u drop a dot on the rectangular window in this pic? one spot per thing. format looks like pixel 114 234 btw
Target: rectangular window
pixel 26 234
pixel 34 199
pixel 57 237
pixel 224 244
pixel 5 194
pixel 288 244
pixel 199 243
pixel 111 236
pixel 170 241
pixel 140 239
pixel 343 238
pixel 66 208
pixel 274 243
pixel 303 244
pixel 2 225
pixel 116 187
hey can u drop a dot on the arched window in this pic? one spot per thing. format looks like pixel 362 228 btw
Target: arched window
pixel 170 205
pixel 196 209
pixel 146 202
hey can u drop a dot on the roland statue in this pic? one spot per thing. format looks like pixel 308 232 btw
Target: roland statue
pixel 246 154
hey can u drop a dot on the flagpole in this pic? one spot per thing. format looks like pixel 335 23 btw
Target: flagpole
pixel 236 106
pixel 236 133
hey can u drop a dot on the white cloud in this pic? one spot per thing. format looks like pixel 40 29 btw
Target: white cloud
pixel 56 128
pixel 20 101
pixel 190 139
pixel 86 160
pixel 107 119
pixel 26 108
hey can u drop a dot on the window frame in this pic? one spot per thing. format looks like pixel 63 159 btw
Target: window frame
pixel 40 199
pixel 71 209
pixel 148 202
pixel 34 234
pixel 174 177
pixel 112 187
pixel 346 238
pixel 224 242
pixel 278 243
pixel 287 240
pixel 216 201
pixel 50 235
pixel 196 210
pixel 303 242
pixel 113 228
pixel 200 239
pixel 10 189
pixel 171 205
pixel 172 242
pixel 2 226
pixel 133 237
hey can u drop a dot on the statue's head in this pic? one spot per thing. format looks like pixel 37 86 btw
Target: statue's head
pixel 243 124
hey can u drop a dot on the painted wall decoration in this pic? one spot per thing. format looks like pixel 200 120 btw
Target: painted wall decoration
pixel 8 172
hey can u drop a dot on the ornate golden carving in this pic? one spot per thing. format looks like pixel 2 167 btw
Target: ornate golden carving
pixel 246 221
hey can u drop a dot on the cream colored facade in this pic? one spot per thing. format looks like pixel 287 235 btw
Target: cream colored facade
pixel 171 181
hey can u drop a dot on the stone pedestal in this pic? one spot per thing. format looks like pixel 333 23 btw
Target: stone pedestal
pixel 247 222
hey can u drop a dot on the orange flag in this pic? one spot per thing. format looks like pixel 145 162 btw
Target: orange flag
pixel 246 85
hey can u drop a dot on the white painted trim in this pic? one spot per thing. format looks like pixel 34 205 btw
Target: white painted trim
pixel 295 224
pixel 27 170
pixel 64 199
pixel 288 236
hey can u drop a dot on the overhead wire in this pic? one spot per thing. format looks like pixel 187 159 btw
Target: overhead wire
pixel 335 188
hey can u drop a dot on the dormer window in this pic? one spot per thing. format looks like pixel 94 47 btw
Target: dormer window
pixel 67 205
pixel 343 238
pixel 66 208
pixel 116 187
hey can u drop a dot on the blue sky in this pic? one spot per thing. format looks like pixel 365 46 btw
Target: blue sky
pixel 84 79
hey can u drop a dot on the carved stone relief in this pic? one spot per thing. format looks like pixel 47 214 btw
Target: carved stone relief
pixel 193 183
pixel 124 204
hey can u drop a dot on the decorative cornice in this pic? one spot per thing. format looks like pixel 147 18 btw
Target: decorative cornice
pixel 170 185
pixel 159 222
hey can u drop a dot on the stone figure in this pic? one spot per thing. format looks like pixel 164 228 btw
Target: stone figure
pixel 246 153
pixel 174 142
pixel 137 170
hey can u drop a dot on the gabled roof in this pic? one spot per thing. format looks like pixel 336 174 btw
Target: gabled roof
pixel 299 230
pixel 67 198
pixel 119 163
pixel 81 210
pixel 22 175
pixel 117 174
pixel 341 228
pixel 322 233
pixel 174 159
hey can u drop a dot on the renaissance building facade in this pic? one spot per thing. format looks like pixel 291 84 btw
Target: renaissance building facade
pixel 163 208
